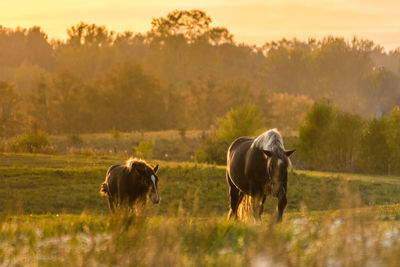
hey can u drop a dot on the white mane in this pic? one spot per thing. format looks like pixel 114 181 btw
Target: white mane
pixel 269 140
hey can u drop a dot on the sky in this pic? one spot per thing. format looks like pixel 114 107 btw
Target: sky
pixel 252 21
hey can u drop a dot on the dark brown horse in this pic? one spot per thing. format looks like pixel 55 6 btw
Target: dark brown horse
pixel 257 167
pixel 129 185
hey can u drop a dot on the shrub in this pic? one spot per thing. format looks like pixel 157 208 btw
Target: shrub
pixel 314 131
pixel 212 151
pixel 144 149
pixel 182 133
pixel 33 142
pixel 245 120
pixel 392 133
pixel 329 137
pixel 116 134
pixel 75 139
pixel 373 157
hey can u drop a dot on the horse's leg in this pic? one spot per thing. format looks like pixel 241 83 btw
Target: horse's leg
pixel 262 204
pixel 257 201
pixel 235 198
pixel 281 206
pixel 111 205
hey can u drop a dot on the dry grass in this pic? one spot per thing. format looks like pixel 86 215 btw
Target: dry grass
pixel 348 237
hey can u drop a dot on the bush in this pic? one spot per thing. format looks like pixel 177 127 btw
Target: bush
pixel 392 134
pixel 116 134
pixel 212 151
pixel 34 142
pixel 76 140
pixel 375 158
pixel 144 149
pixel 245 120
pixel 314 131
pixel 330 137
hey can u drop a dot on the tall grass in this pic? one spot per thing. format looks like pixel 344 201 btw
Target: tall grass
pixel 348 237
pixel 329 221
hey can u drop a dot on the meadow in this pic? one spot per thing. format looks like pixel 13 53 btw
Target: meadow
pixel 51 213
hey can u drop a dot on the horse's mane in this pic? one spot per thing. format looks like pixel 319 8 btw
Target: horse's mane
pixel 137 162
pixel 269 140
pixel 272 140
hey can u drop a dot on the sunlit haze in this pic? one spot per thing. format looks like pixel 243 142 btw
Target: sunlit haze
pixel 252 22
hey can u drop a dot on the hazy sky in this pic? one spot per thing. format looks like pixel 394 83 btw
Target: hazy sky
pixel 252 21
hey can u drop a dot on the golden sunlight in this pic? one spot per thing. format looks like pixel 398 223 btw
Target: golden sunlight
pixel 253 22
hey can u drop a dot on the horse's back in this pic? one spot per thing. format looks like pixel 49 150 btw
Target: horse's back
pixel 236 161
pixel 240 143
pixel 116 175
pixel 113 172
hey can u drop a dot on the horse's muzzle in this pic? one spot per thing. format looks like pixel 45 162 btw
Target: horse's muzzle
pixel 155 198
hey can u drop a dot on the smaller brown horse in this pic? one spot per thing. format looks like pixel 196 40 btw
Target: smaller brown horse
pixel 129 185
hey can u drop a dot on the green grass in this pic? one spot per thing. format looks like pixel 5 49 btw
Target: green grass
pixel 52 214
pixel 169 145
pixel 354 177
pixel 70 184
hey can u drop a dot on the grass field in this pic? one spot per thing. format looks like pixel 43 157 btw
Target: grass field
pixel 51 213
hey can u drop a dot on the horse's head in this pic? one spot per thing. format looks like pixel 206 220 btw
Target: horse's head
pixel 154 196
pixel 277 166
pixel 149 180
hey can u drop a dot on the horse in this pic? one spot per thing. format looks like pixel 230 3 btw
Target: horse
pixel 257 167
pixel 128 186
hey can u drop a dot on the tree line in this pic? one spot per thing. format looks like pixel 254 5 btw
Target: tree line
pixel 336 140
pixel 182 73
pixel 329 139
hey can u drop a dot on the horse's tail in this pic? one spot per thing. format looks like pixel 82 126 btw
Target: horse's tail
pixel 245 208
pixel 104 189
pixel 250 208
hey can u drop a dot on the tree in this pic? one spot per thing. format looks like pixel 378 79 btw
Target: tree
pixel 289 67
pixel 202 103
pixel 87 52
pixel 25 45
pixel 39 109
pixel 92 35
pixel 392 132
pixel 339 68
pixel 40 50
pixel 190 24
pixel 286 111
pixel 66 103
pixel 345 140
pixel 380 91
pixel 206 99
pixel 330 137
pixel 10 119
pixel 314 147
pixel 375 154
pixel 132 99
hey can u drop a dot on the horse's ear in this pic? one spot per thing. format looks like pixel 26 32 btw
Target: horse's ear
pixel 268 153
pixel 155 169
pixel 289 152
